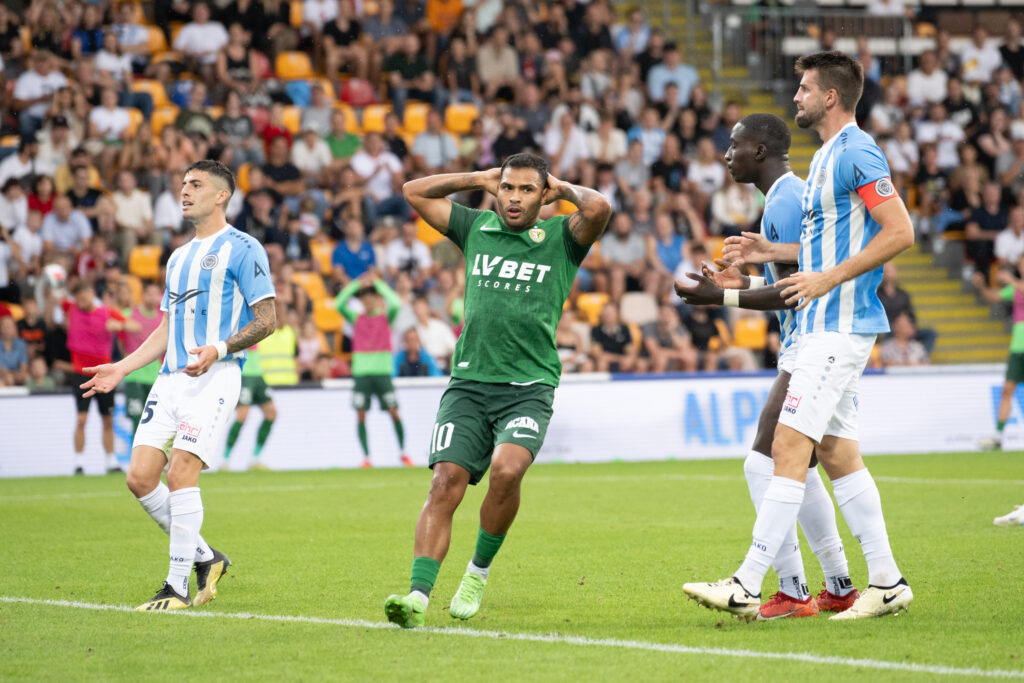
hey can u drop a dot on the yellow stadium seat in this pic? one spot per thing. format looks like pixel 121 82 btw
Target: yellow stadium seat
pixel 295 13
pixel 157 40
pixel 134 284
pixel 415 117
pixel 169 56
pixel 327 86
pixel 10 141
pixel 154 88
pixel 135 117
pixel 373 117
pixel 215 112
pixel 715 245
pixel 161 117
pixel 322 250
pixel 243 177
pixel 176 27
pixel 313 284
pixel 144 262
pixel 326 317
pixel 293 65
pixel 751 332
pixel 427 234
pixel 636 335
pixel 26 39
pixel 292 119
pixel 638 307
pixel 351 122
pixel 590 305
pixel 723 332
pixel 17 312
pixel 458 118
pixel 564 208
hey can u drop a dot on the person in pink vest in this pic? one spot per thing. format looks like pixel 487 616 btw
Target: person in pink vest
pixel 91 330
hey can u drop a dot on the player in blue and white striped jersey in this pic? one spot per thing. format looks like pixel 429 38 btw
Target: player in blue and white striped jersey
pixel 759 153
pixel 853 223
pixel 218 302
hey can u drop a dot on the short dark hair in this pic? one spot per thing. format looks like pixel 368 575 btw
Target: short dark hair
pixel 527 160
pixel 769 130
pixel 217 169
pixel 836 71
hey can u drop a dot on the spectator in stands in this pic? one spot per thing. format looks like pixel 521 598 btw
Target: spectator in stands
pixel 283 177
pixel 462 80
pixel 1010 167
pixel 612 347
pixel 735 207
pixel 650 133
pixel 386 29
pixel 983 226
pixel 704 336
pixel 193 118
pixel 13 205
pixel 624 255
pixel 200 40
pixel 382 172
pixel 353 255
pixel 311 155
pixel 92 264
pixel 342 46
pixel 632 173
pixel 65 231
pixel 571 346
pixel 49 30
pixel 410 77
pixel 631 37
pixel 40 198
pixel 926 83
pixel 22 165
pixel 887 8
pixel 706 175
pixel 497 65
pixel 608 143
pixel 514 137
pixel 13 354
pixel 235 132
pixel 290 245
pixel 9 290
pixel 672 69
pixel 39 375
pixel 896 301
pixel 979 59
pixel 28 258
pixel 408 254
pixel 55 145
pixel 667 343
pixel 900 348
pixel 132 38
pixel 666 249
pixel 134 216
pixel 10 36
pixel 943 133
pixel 33 91
pixel 434 149
pixel 412 360
pixel 1009 244
pixel 167 217
pixel 959 109
pixel 436 336
pixel 238 64
pixel 887 114
pixel 1012 51
pixel 566 145
pixel 670 167
pixel 903 156
pixel 393 140
pixel 340 141
pixel 993 140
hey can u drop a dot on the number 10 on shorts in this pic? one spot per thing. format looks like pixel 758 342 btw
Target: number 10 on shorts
pixel 441 438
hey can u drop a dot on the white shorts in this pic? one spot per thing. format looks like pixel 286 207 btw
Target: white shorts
pixel 822 396
pixel 190 412
pixel 787 359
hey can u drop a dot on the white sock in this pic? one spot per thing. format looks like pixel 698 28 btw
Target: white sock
pixel 424 598
pixel 482 572
pixel 156 504
pixel 789 564
pixel 775 520
pixel 818 520
pixel 858 499
pixel 186 519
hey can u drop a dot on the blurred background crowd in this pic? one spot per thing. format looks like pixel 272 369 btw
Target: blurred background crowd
pixel 323 108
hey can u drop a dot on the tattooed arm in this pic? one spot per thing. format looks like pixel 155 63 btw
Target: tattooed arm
pixel 429 196
pixel 587 224
pixel 261 326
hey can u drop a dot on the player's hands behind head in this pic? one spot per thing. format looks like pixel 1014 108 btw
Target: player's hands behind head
pixel 490 179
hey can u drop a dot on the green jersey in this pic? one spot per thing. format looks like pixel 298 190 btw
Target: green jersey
pixel 516 284
pixel 1009 295
pixel 252 368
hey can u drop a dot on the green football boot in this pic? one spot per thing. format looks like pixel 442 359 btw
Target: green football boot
pixel 405 610
pixel 466 602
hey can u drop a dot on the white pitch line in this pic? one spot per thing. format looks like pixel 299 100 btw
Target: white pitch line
pixel 540 479
pixel 558 638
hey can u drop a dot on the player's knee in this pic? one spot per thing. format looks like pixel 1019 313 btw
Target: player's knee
pixel 505 477
pixel 445 487
pixel 138 483
pixel 270 411
pixel 81 419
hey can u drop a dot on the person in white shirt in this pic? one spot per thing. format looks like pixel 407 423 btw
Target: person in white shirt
pixel 437 337
pixel 133 38
pixel 382 173
pixel 317 13
pixel 409 255
pixel 134 216
pixel 979 59
pixel 33 91
pixel 167 209
pixel 311 156
pixel 55 146
pixel 1009 246
pixel 65 230
pixel 29 240
pixel 901 152
pixel 13 205
pixel 566 144
pixel 201 39
pixel 926 83
pixel 22 164
pixel 945 134
pixel 109 122
pixel 434 149
pixel 706 173
pixel 607 144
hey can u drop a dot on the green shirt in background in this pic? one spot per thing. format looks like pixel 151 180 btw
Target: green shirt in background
pixel 345 146
pixel 1017 335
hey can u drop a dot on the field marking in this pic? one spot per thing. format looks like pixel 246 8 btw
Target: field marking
pixel 540 479
pixel 558 638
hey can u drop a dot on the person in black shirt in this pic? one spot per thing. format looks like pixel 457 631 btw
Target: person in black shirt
pixel 652 55
pixel 670 166
pixel 612 344
pixel 393 140
pixel 82 196
pixel 513 139
pixel 958 109
pixel 983 225
pixel 341 45
pixel 1011 50
pixel 290 245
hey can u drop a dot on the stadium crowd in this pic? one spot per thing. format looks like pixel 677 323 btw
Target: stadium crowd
pixel 323 108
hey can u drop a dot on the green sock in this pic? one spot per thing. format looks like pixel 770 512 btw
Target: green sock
pixel 424 574
pixel 236 429
pixel 1000 425
pixel 262 434
pixel 362 439
pixel 486 548
pixel 400 433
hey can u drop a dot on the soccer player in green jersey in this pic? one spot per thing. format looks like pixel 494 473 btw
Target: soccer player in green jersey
pixel 147 314
pixel 496 409
pixel 254 392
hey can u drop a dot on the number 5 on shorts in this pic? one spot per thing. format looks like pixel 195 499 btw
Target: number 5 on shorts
pixel 147 412
pixel 441 437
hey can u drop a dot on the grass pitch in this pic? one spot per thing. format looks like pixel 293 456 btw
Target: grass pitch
pixel 596 558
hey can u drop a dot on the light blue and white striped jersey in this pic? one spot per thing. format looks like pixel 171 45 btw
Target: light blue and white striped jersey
pixel 212 284
pixel 780 223
pixel 846 171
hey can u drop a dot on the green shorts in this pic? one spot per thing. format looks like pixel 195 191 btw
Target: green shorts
pixel 135 394
pixel 1015 367
pixel 474 417
pixel 254 392
pixel 369 386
